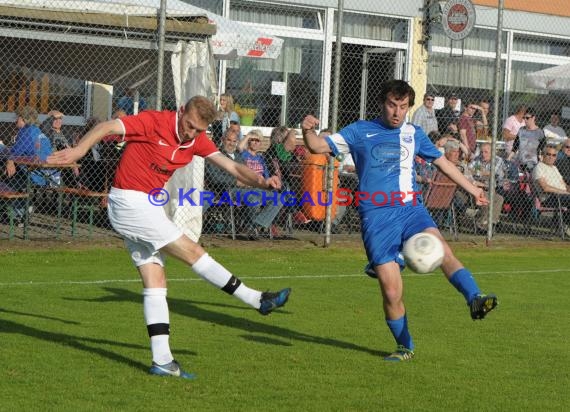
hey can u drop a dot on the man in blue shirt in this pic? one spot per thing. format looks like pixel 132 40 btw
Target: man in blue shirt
pixel 389 204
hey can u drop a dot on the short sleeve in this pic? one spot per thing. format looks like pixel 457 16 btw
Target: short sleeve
pixel 426 149
pixel 138 127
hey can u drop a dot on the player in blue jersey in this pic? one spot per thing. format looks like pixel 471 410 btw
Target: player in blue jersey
pixel 390 209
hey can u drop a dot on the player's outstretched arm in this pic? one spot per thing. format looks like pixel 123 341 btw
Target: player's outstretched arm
pixel 92 137
pixel 313 142
pixel 243 173
pixel 454 174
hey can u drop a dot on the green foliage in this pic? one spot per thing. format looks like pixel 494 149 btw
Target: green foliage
pixel 73 336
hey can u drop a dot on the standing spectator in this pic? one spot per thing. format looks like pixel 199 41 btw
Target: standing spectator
pixel 226 113
pixel 480 171
pixel 386 227
pixel 511 127
pixel 424 116
pixel 467 133
pixel 226 118
pixel 447 117
pixel 483 120
pixel 563 161
pixel 158 144
pixel 553 132
pixel 528 143
pixel 127 102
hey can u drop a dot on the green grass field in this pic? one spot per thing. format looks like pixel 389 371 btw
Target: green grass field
pixel 72 335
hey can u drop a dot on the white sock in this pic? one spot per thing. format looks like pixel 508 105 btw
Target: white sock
pixel 211 271
pixel 158 324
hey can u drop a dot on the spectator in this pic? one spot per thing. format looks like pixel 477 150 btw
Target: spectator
pixel 278 134
pixel 282 162
pixel 127 102
pixel 226 113
pixel 483 120
pixel 447 117
pixel 466 126
pixel 93 173
pixel 453 154
pixel 424 116
pixel 51 127
pixel 226 118
pixel 563 161
pixel 528 143
pixel 550 185
pixel 30 142
pixel 511 127
pixel 249 147
pixel 553 132
pixel 480 171
pixel 216 179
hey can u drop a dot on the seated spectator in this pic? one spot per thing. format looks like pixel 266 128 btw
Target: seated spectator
pixel 249 148
pixel 218 180
pixel 453 154
pixel 528 142
pixel 563 161
pixel 550 185
pixel 30 142
pixel 51 127
pixel 480 172
pixel 553 132
pixel 348 180
pixel 282 162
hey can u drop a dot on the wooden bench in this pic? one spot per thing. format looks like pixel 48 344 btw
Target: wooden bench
pixel 7 199
pixel 80 198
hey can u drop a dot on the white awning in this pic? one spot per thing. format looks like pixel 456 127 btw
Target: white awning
pixel 553 78
pixel 232 39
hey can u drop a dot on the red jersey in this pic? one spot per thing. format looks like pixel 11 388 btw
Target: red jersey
pixel 154 150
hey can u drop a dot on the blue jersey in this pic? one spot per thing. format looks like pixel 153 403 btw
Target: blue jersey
pixel 384 160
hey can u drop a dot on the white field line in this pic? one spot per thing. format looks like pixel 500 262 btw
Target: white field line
pixel 196 279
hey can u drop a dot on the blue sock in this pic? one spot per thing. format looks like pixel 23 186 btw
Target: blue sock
pixel 399 328
pixel 465 283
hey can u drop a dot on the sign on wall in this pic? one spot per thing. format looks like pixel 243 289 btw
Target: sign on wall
pixel 458 18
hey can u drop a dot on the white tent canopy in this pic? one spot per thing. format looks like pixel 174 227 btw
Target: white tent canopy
pixel 553 78
pixel 232 38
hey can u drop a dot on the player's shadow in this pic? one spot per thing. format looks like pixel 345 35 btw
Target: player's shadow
pixel 70 341
pixel 35 315
pixel 277 335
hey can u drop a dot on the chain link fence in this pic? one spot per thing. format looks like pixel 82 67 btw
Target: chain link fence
pixel 67 65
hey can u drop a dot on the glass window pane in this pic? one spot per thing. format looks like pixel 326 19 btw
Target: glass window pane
pixel 373 27
pixel 270 14
pixel 249 81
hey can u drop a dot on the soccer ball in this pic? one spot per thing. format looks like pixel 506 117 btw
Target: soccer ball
pixel 423 252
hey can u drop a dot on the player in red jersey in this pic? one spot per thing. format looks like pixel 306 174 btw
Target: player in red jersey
pixel 158 143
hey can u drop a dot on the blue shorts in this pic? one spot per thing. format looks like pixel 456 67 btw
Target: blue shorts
pixel 385 230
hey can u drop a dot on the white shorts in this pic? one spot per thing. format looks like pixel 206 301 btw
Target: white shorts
pixel 144 226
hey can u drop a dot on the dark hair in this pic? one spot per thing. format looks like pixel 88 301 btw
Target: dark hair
pixel 399 89
pixel 203 106
pixel 531 111
pixel 434 136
